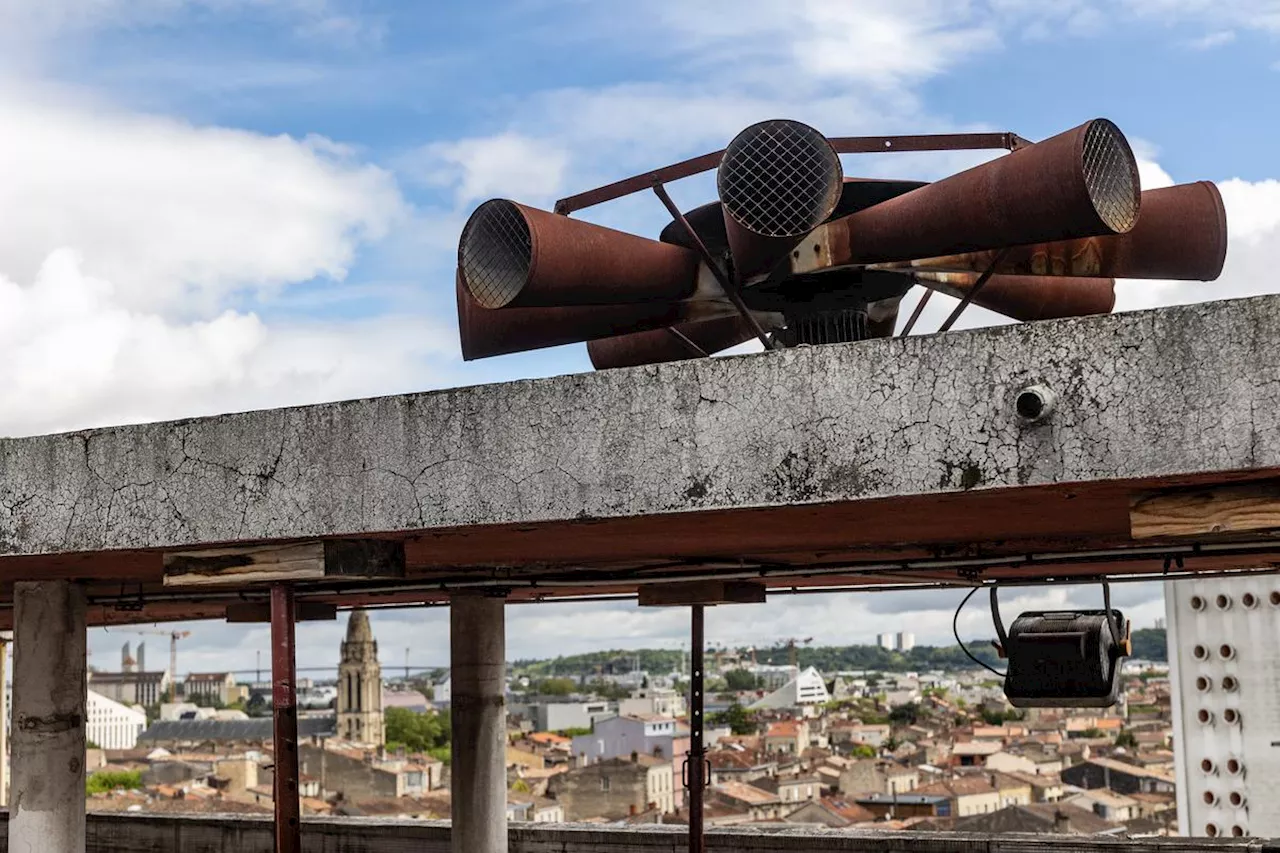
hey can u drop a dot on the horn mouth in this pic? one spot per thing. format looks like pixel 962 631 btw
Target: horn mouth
pixel 779 178
pixel 1111 175
pixel 495 253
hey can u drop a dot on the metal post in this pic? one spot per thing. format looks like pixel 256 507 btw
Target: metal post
pixel 284 789
pixel 4 721
pixel 696 763
pixel 477 645
pixel 49 692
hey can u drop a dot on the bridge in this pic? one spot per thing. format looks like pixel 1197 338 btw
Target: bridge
pixel 1134 445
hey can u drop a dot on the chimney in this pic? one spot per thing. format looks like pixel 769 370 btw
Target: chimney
pixel 632 809
pixel 1061 823
pixel 635 756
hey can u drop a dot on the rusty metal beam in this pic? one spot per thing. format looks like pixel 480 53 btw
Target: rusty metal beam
pixel 284 708
pixel 842 145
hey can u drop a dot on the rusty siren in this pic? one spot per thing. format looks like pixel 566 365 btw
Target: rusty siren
pixel 1181 234
pixel 812 257
pixel 778 181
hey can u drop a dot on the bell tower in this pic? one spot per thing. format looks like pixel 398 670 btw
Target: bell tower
pixel 360 684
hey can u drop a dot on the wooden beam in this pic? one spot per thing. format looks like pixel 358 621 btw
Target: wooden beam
pixel 1206 512
pixel 701 592
pixel 330 558
pixel 307 611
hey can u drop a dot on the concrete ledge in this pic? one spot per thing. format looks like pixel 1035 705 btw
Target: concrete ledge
pixel 113 833
pixel 1175 395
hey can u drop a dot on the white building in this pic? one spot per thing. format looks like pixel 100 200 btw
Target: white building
pixel 906 641
pixel 773 676
pixel 652 701
pixel 806 690
pixel 1224 653
pixel 112 725
pixel 885 641
pixel 619 737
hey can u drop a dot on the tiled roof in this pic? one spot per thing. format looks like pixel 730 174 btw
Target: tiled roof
pixel 745 793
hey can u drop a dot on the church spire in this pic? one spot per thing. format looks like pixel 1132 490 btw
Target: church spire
pixel 360 684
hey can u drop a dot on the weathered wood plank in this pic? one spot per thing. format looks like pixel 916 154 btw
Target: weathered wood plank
pixel 302 561
pixel 702 592
pixel 1216 511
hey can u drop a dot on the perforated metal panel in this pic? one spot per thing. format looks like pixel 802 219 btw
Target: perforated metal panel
pixel 780 178
pixel 495 252
pixel 1224 657
pixel 1111 175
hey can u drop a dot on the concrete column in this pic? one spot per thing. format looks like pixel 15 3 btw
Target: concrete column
pixel 46 812
pixel 477 643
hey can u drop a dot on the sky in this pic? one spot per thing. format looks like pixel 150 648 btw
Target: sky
pixel 220 205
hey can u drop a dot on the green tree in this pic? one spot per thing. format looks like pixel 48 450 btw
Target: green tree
pixel 556 686
pixel 574 731
pixel 740 679
pixel 905 715
pixel 863 750
pixel 415 732
pixel 106 781
pixel 1126 739
pixel 736 718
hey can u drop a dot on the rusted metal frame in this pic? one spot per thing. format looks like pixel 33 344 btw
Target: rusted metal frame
pixel 730 287
pixel 927 142
pixel 915 315
pixel 977 286
pixel 284 734
pixel 686 343
pixel 842 145
pixel 696 763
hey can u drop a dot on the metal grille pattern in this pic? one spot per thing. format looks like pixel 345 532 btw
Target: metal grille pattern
pixel 1111 176
pixel 495 253
pixel 780 178
pixel 826 327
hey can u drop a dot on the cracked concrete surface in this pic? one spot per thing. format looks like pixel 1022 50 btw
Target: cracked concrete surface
pixel 1162 393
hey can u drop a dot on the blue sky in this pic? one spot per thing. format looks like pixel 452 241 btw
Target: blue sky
pixel 214 205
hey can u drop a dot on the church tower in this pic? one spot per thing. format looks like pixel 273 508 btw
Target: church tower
pixel 360 684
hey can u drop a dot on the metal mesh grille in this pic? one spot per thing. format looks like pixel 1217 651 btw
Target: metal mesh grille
pixel 825 327
pixel 780 178
pixel 494 253
pixel 1111 176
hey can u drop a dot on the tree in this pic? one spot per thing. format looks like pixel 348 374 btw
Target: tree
pixel 905 715
pixel 740 679
pixel 1126 739
pixel 106 781
pixel 557 686
pixel 736 718
pixel 574 731
pixel 415 732
pixel 863 750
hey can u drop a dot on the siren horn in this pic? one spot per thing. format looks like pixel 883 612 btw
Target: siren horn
pixel 679 342
pixel 1081 183
pixel 1028 297
pixel 1181 234
pixel 778 180
pixel 513 256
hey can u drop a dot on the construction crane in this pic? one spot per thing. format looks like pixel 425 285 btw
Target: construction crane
pixel 790 643
pixel 174 637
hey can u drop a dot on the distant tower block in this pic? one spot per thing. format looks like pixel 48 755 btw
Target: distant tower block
pixel 885 641
pixel 360 684
pixel 906 641
pixel 126 658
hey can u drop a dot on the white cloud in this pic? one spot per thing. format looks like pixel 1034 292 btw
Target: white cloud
pixel 1253 252
pixel 72 355
pixel 1209 41
pixel 509 165
pixel 178 216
